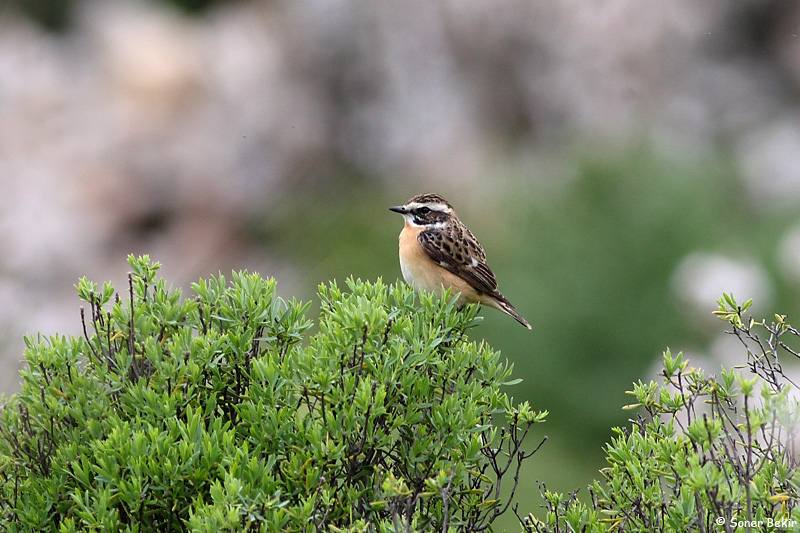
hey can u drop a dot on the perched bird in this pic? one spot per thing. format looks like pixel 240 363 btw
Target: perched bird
pixel 437 252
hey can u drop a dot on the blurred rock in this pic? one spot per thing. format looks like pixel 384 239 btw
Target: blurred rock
pixel 769 160
pixel 701 279
pixel 789 255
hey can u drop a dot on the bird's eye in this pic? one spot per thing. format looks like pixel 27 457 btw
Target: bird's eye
pixel 423 210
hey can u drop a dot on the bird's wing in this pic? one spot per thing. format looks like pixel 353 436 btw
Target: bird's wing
pixel 457 250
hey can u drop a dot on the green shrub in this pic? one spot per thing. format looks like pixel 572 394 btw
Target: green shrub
pixel 221 413
pixel 708 453
pixel 212 414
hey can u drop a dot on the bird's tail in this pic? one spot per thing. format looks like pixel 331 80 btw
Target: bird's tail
pixel 499 302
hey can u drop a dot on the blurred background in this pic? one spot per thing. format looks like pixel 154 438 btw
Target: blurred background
pixel 622 162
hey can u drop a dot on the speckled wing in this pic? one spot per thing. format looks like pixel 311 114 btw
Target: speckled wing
pixel 457 250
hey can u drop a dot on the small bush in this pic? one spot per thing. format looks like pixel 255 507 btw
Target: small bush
pixel 708 453
pixel 212 414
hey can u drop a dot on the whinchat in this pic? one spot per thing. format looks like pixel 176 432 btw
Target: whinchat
pixel 438 252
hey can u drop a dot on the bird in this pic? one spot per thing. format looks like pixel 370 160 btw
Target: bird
pixel 438 252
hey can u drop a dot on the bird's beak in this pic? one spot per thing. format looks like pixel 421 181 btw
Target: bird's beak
pixel 398 209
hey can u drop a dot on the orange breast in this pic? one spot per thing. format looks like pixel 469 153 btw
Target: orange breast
pixel 422 273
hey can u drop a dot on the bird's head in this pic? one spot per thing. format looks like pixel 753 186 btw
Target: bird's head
pixel 426 210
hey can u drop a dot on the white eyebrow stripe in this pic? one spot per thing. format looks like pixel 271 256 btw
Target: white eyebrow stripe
pixel 437 206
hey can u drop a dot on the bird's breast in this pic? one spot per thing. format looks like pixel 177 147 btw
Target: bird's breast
pixel 414 262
